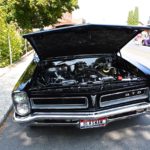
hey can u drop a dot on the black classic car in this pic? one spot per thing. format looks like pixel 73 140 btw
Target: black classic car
pixel 81 78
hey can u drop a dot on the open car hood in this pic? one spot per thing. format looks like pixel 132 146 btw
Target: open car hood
pixel 81 39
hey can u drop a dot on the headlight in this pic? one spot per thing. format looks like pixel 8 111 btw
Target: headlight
pixel 21 103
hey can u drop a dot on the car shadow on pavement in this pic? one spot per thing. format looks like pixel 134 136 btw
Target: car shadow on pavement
pixel 133 132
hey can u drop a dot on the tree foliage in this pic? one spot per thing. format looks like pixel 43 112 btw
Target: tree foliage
pixel 136 15
pixel 38 13
pixel 133 17
pixel 8 30
pixel 24 15
pixel 3 37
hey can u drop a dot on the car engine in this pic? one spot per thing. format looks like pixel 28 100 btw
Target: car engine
pixel 84 71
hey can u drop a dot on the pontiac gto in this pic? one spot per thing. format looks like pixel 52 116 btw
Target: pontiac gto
pixel 80 78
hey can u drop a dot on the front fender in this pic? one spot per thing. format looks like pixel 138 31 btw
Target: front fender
pixel 25 79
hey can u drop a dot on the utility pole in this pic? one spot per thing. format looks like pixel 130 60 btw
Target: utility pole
pixel 26 46
pixel 10 49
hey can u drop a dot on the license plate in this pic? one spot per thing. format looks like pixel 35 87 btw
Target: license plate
pixel 101 122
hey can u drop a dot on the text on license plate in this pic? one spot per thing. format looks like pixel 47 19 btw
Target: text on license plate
pixel 101 122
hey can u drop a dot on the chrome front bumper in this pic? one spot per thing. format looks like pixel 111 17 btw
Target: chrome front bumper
pixel 76 116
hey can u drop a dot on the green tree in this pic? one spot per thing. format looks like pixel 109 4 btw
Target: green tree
pixel 8 31
pixel 130 18
pixel 133 17
pixel 37 13
pixel 136 16
pixel 3 37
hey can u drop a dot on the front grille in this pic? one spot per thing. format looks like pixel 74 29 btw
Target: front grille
pixel 59 103
pixel 135 95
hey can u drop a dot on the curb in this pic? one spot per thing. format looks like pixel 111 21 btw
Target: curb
pixel 3 119
pixel 6 104
pixel 7 68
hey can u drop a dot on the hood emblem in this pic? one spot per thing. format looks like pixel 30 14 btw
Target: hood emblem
pixel 93 98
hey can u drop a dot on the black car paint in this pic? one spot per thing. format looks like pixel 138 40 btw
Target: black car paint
pixel 25 79
pixel 81 39
pixel 24 83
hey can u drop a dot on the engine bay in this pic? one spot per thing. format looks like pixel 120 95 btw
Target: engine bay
pixel 85 70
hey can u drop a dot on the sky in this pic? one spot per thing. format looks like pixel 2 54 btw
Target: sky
pixel 111 11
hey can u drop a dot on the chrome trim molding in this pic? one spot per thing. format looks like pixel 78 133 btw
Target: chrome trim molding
pixel 77 123
pixel 60 106
pixel 127 116
pixel 81 115
pixel 55 124
pixel 125 99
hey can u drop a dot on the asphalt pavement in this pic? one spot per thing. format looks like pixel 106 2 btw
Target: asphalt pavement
pixel 137 53
pixel 8 78
pixel 129 134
